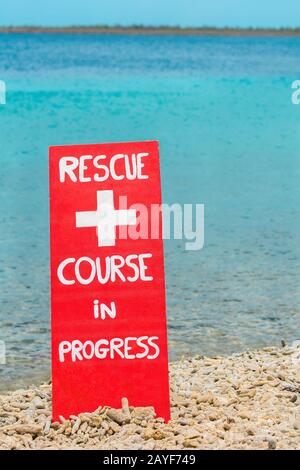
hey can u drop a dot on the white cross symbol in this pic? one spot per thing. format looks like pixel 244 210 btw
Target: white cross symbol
pixel 106 218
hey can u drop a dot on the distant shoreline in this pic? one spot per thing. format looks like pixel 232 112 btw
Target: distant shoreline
pixel 157 31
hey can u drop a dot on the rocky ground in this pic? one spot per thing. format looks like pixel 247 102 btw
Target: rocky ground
pixel 244 401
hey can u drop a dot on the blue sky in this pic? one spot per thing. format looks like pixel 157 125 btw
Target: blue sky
pixel 266 13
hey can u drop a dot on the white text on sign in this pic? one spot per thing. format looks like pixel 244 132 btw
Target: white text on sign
pixel 120 166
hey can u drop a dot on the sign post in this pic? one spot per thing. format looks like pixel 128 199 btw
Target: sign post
pixel 108 309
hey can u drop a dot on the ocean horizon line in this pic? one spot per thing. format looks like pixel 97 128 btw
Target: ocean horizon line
pixel 154 30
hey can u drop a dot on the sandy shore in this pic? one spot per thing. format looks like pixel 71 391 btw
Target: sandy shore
pixel 244 401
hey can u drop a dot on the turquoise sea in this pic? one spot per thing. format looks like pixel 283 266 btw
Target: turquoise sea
pixel 229 137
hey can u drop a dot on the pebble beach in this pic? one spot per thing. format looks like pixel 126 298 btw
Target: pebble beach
pixel 243 401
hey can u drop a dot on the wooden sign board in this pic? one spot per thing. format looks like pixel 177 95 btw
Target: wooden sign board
pixel 107 281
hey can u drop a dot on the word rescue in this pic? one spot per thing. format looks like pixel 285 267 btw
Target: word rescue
pixel 118 167
pixel 107 291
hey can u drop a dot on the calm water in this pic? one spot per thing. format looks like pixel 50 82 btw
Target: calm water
pixel 230 138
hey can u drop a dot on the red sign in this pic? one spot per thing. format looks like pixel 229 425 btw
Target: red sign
pixel 107 278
